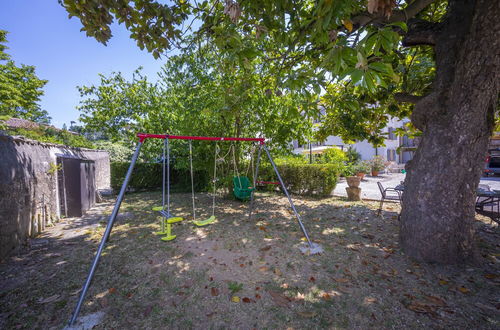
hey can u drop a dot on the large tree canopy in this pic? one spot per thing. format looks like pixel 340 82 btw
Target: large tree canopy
pixel 363 58
pixel 20 88
pixel 195 96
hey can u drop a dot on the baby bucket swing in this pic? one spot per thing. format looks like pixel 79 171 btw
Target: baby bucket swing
pixel 242 189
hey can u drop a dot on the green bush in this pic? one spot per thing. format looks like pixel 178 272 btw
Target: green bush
pixel 49 134
pixel 304 179
pixel 352 155
pixel 118 152
pixel 148 176
pixel 362 167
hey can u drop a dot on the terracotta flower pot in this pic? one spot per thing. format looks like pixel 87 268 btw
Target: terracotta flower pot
pixel 360 175
pixel 353 181
pixel 374 173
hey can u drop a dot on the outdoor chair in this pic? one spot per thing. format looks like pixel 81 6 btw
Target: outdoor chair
pixel 488 206
pixel 388 194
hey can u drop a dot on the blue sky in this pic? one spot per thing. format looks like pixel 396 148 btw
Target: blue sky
pixel 41 34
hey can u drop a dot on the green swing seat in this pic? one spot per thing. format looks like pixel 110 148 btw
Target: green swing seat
pixel 242 191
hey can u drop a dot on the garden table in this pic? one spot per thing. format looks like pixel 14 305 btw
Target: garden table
pixel 488 204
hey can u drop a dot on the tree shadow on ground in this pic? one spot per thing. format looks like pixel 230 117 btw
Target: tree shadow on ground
pixel 362 280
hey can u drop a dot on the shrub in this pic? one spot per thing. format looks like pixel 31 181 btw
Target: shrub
pixel 378 163
pixel 361 167
pixel 335 157
pixel 49 134
pixel 352 155
pixel 148 176
pixel 304 179
pixel 118 152
pixel 292 159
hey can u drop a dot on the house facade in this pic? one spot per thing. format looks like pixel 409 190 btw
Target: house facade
pixel 396 149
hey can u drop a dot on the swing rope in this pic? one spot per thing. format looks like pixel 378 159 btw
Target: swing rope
pixel 217 150
pixel 250 163
pixel 192 179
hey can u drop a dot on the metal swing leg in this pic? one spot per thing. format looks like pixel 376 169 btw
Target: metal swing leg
pixel 105 237
pixel 311 248
pixel 254 183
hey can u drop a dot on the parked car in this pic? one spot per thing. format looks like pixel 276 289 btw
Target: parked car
pixel 492 162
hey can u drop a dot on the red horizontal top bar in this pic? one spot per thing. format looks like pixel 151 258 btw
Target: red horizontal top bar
pixel 143 136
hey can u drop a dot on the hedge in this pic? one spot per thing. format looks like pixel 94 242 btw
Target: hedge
pixel 301 179
pixel 304 179
pixel 148 176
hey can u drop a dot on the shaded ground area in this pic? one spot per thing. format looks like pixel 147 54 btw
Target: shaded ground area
pixel 246 274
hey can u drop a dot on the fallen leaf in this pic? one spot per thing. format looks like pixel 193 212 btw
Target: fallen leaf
pixel 214 291
pixel 247 300
pixel 279 299
pixel 49 299
pixel 257 296
pixel 112 290
pixel 307 314
pixel 312 279
pixel 463 289
pixel 419 307
pixel 263 228
pixel 443 282
pixel 277 271
pixel 369 300
pixel 257 288
pixel 436 301
pixel 490 276
pixel 341 280
pixel 235 299
pixel 242 265
pixel 265 248
pixel 326 296
pixel 75 292
pixel 264 269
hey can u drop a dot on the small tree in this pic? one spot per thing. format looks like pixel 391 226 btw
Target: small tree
pixel 20 88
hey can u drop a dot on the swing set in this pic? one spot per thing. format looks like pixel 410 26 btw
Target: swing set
pixel 241 188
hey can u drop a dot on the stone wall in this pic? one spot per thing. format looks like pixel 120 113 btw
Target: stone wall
pixel 29 189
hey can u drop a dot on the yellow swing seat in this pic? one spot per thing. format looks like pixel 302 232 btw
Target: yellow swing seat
pixel 166 230
pixel 201 223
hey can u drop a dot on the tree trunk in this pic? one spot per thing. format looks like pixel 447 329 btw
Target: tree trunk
pixel 457 119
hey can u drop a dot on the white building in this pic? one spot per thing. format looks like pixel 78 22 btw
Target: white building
pixel 396 148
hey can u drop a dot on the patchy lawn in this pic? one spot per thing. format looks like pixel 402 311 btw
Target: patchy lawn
pixel 246 274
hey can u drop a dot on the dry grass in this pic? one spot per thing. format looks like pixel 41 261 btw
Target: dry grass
pixel 363 280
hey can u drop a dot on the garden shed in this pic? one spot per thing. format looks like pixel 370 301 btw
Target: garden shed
pixel 41 182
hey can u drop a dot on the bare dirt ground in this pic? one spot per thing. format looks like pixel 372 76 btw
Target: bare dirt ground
pixel 246 274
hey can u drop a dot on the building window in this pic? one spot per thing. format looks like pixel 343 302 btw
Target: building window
pixel 392 134
pixel 391 155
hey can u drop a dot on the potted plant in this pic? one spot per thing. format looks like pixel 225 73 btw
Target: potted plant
pixel 377 164
pixel 361 168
